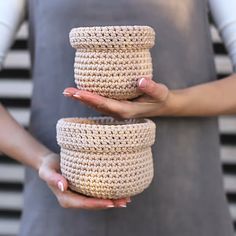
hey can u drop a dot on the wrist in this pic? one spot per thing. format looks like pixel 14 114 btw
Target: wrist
pixel 172 105
pixel 40 158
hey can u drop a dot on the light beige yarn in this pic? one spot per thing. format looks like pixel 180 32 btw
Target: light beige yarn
pixel 112 37
pixel 110 59
pixel 105 135
pixel 100 156
pixel 106 158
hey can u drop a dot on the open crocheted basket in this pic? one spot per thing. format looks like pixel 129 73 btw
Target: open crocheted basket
pixel 106 158
pixel 110 59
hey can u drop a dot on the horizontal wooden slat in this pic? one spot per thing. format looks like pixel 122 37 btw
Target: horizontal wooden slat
pixel 15 88
pixel 11 173
pixel 23 31
pixel 22 115
pixel 233 211
pixel 215 34
pixel 9 226
pixel 227 124
pixel 17 59
pixel 223 64
pixel 230 183
pixel 11 200
pixel 228 154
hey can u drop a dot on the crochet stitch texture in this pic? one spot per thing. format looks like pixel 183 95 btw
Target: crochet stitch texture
pixel 110 59
pixel 106 158
pixel 100 156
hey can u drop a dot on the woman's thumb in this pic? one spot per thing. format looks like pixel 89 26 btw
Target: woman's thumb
pixel 53 178
pixel 155 90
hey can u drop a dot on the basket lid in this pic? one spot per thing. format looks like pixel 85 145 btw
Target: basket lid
pixel 112 37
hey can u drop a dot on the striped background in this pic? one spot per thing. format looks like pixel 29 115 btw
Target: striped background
pixel 15 93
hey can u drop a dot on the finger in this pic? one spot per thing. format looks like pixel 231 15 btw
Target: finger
pixel 105 105
pixel 69 92
pixel 50 175
pixel 74 200
pixel 153 89
pixel 91 99
pixel 128 199
pixel 120 202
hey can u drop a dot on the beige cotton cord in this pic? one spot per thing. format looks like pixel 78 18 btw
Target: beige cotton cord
pixel 107 176
pixel 105 134
pixel 106 158
pixel 110 59
pixel 112 37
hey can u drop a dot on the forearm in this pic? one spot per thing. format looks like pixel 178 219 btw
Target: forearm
pixel 210 99
pixel 17 143
pixel 219 97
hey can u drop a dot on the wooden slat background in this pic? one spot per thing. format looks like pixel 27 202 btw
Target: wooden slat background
pixel 15 93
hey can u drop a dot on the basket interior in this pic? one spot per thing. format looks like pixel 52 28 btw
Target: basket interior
pixel 104 121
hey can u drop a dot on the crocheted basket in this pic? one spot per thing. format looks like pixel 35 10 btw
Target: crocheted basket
pixel 110 59
pixel 106 158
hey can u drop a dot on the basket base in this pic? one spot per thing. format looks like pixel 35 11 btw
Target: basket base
pixel 110 196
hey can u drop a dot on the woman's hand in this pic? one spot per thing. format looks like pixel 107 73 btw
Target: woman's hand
pixel 156 101
pixel 49 172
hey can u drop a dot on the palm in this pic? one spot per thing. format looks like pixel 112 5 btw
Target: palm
pixel 151 103
pixel 49 171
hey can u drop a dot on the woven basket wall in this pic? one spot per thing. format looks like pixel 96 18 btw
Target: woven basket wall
pixel 110 59
pixel 105 158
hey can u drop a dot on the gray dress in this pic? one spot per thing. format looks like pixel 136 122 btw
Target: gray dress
pixel 186 197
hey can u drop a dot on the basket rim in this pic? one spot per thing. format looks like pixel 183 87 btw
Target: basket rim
pixel 108 37
pixel 134 122
pixel 114 28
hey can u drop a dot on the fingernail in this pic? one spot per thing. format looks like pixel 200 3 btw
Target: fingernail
pixel 110 206
pixel 123 205
pixel 142 83
pixel 66 93
pixel 60 186
pixel 76 95
pixel 129 200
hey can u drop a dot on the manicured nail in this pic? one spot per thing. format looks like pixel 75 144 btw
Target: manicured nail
pixel 66 93
pixel 76 95
pixel 123 205
pixel 129 200
pixel 60 186
pixel 110 206
pixel 142 83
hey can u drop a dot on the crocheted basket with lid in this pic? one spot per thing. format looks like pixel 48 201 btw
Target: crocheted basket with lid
pixel 110 59
pixel 106 158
